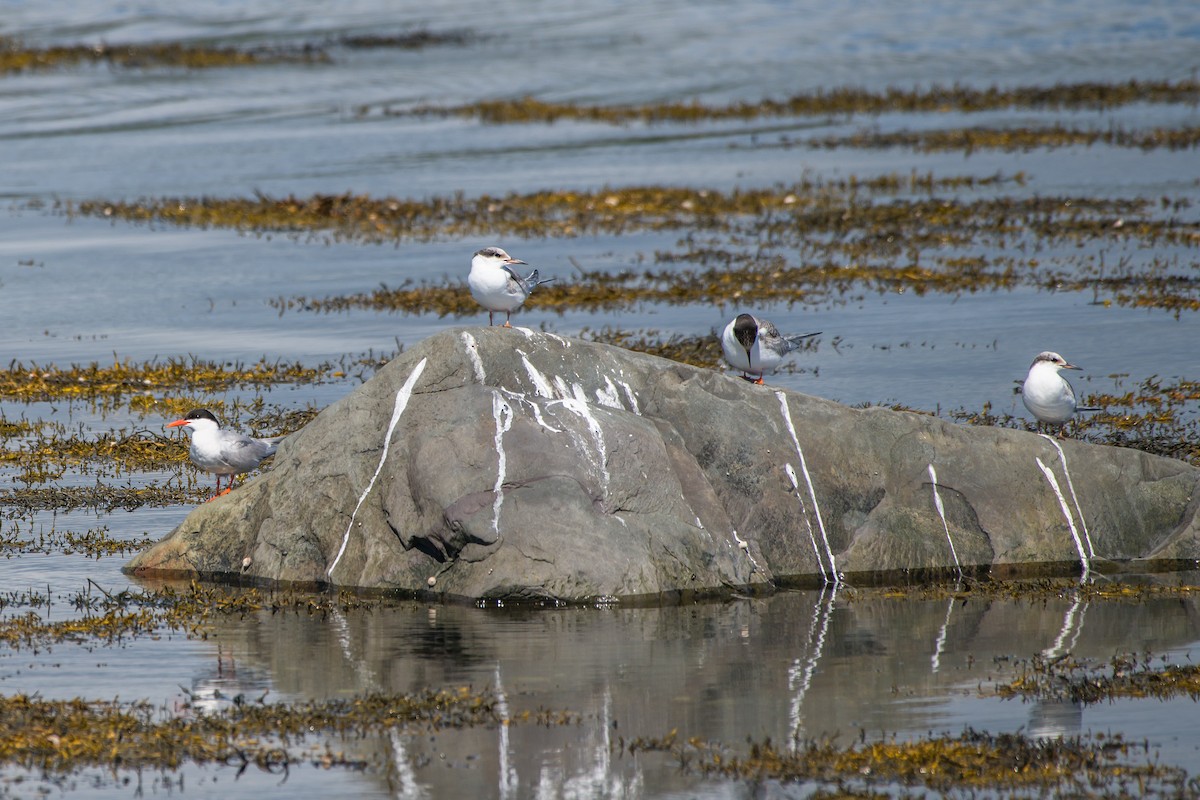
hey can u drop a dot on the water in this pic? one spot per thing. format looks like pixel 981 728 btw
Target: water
pixel 795 665
pixel 82 290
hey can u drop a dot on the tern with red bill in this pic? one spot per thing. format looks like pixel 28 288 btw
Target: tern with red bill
pixel 222 452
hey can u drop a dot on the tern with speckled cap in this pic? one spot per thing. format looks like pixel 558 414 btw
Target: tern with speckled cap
pixel 496 286
pixel 1047 394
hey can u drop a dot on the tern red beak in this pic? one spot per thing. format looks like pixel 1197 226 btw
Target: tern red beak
pixel 177 423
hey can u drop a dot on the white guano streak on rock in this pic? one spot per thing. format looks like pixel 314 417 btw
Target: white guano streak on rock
pixel 473 354
pixel 537 411
pixel 578 404
pixel 503 413
pixel 787 417
pixel 1066 511
pixel 937 503
pixel 631 397
pixel 540 384
pixel 402 398
pixel 575 400
pixel 542 389
pixel 608 396
pixel 743 545
pixel 1071 488
pixel 791 473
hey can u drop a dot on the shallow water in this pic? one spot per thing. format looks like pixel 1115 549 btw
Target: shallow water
pixel 78 290
pixel 798 665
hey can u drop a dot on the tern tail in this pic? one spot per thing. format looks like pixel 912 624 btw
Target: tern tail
pixel 796 339
pixel 533 281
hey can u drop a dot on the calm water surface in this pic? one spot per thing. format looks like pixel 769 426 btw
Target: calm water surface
pixel 798 664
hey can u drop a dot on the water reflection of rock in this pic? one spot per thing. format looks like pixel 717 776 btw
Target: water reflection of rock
pixel 807 664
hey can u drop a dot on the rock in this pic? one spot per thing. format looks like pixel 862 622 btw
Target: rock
pixel 506 463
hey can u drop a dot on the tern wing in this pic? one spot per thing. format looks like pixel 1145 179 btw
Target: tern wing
pixel 525 285
pixel 769 338
pixel 515 282
pixel 245 452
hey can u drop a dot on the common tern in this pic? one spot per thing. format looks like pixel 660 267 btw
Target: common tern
pixel 755 345
pixel 222 452
pixel 1046 393
pixel 496 286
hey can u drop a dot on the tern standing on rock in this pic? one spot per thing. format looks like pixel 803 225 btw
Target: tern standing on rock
pixel 496 286
pixel 222 452
pixel 754 345
pixel 1046 393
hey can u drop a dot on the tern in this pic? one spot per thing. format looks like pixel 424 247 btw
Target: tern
pixel 496 286
pixel 1046 393
pixel 222 452
pixel 755 345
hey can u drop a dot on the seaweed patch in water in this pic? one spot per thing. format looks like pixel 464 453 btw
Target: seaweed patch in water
pixel 95 543
pixel 1085 681
pixel 740 244
pixel 410 40
pixel 839 101
pixel 31 382
pixel 975 761
pixel 17 57
pixel 971 140
pixel 787 210
pixel 101 497
pixel 972 761
pixel 62 736
pixel 1029 590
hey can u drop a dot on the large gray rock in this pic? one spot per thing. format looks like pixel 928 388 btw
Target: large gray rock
pixel 505 463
